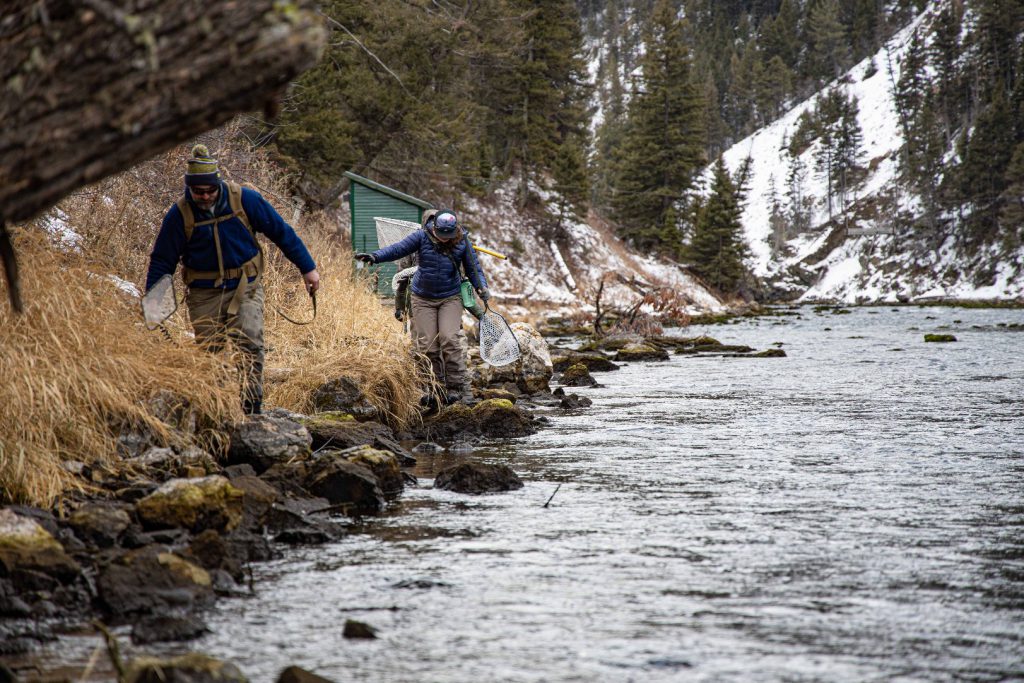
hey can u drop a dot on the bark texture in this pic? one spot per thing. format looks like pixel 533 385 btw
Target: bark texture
pixel 90 87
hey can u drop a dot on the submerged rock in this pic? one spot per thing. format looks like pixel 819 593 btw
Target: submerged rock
pixel 477 477
pixel 940 338
pixel 164 628
pixel 196 504
pixel 357 629
pixel 190 668
pixel 577 376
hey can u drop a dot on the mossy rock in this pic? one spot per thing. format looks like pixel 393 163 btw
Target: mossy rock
pixel 769 353
pixel 640 352
pixel 577 376
pixel 594 362
pixel 384 465
pixel 195 504
pixel 499 417
pixel 940 338
pixel 25 544
pixel 334 416
pixel 491 392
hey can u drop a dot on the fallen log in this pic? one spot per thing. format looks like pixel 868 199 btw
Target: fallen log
pixel 92 87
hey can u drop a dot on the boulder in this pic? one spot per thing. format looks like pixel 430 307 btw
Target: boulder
pixel 477 477
pixel 190 668
pixel 153 580
pixel 532 372
pixel 26 546
pixel 769 353
pixel 575 402
pixel 195 504
pixel 100 524
pixel 357 629
pixel 347 484
pixel 259 496
pixel 492 392
pixel 640 352
pixel 498 417
pixel 343 394
pixel 594 362
pixel 341 430
pixel 263 440
pixel 577 376
pixel 384 465
pixel 211 551
pixel 164 628
pixel 294 674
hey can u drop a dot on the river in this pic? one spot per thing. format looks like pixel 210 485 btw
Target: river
pixel 853 511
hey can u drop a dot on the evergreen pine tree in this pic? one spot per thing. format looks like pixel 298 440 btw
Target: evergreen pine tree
pixel 717 249
pixel 1011 212
pixel 983 171
pixel 828 38
pixel 664 139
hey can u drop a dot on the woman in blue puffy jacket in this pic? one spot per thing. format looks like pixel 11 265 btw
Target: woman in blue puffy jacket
pixel 444 251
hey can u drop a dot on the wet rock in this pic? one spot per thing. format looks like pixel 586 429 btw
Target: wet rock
pixel 344 395
pixel 211 551
pixel 383 464
pixel 940 338
pixel 263 440
pixel 99 524
pixel 476 478
pixel 341 431
pixel 428 447
pixel 640 352
pixel 577 376
pixel 387 443
pixel 259 496
pixel 152 580
pixel 136 538
pixel 357 629
pixel 165 628
pixel 575 402
pixel 594 362
pixel 190 668
pixel 288 478
pixel 769 353
pixel 500 418
pixel 196 504
pixel 347 484
pixel 25 546
pixel 294 674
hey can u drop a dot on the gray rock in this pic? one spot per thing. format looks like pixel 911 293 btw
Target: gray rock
pixel 263 440
pixel 164 628
pixel 294 674
pixel 153 580
pixel 100 524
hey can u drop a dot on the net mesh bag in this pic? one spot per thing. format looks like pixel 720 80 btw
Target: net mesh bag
pixel 391 230
pixel 498 344
pixel 159 303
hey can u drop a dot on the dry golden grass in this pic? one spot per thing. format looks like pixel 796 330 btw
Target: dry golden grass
pixel 78 365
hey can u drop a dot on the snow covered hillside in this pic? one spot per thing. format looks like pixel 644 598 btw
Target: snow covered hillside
pixel 858 255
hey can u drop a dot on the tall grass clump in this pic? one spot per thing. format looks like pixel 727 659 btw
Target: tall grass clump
pixel 79 369
pixel 78 365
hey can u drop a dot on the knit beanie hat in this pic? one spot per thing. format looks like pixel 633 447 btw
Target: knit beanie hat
pixel 202 169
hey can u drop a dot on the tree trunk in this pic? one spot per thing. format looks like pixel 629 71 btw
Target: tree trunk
pixel 91 87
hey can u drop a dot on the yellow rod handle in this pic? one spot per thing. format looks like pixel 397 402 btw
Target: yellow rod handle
pixel 489 252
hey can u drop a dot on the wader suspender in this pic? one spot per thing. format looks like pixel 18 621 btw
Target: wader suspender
pixel 252 267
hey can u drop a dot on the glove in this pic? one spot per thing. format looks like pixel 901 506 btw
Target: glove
pixel 366 258
pixel 484 295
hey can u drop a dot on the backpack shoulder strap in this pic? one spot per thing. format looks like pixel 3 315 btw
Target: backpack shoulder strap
pixel 188 218
pixel 235 201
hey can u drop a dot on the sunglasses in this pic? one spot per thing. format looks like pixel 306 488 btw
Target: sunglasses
pixel 204 191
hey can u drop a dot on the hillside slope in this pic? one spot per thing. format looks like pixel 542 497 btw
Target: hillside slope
pixel 867 253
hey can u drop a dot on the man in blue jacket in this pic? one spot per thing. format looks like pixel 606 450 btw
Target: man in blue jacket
pixel 212 231
pixel 444 251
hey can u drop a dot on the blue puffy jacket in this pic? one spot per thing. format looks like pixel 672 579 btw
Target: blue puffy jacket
pixel 438 276
pixel 236 242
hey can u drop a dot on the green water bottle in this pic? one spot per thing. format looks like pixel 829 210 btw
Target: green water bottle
pixel 466 291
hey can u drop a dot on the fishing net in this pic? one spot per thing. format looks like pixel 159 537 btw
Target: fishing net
pixel 159 303
pixel 498 345
pixel 391 230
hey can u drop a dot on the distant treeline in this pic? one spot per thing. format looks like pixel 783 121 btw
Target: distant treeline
pixel 618 104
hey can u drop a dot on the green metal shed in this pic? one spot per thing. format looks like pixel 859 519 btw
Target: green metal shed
pixel 368 200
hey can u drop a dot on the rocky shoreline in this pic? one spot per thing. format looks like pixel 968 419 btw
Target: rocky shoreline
pixel 153 545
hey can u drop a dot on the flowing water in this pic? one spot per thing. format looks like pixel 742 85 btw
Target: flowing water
pixel 851 512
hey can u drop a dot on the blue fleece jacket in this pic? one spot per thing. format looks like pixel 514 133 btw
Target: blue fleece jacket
pixel 237 244
pixel 437 276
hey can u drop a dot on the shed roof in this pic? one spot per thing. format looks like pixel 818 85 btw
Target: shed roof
pixel 387 190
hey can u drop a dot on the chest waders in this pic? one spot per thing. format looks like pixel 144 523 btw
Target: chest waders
pixel 251 268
